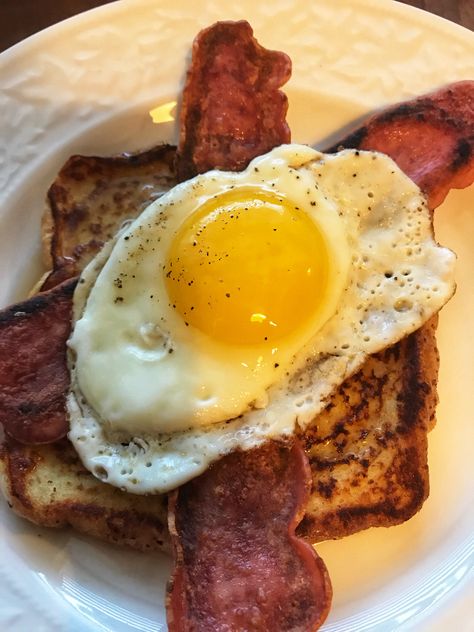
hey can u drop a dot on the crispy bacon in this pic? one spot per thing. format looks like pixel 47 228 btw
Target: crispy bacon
pixel 34 378
pixel 239 565
pixel 232 109
pixel 431 138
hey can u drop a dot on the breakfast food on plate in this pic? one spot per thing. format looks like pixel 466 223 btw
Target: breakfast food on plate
pixel 430 138
pixel 398 384
pixel 358 466
pixel 89 201
pixel 32 409
pixel 367 273
pixel 232 110
pixel 267 579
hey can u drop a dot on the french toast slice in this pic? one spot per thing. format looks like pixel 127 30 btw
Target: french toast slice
pixel 90 199
pixel 48 485
pixel 368 449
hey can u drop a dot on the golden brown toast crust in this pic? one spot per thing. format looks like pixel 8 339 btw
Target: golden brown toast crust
pixel 49 486
pixel 368 450
pixel 92 196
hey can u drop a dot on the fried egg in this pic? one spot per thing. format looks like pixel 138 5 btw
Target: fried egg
pixel 229 311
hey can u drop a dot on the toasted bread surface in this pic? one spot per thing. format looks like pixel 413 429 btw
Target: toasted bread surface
pixel 90 199
pixel 49 486
pixel 368 450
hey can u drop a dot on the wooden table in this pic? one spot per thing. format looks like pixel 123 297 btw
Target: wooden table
pixel 20 18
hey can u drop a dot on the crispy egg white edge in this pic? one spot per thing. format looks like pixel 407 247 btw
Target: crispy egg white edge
pixel 159 464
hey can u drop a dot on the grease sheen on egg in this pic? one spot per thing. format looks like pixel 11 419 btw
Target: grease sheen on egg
pixel 234 305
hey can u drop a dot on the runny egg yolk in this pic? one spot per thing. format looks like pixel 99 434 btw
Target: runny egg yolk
pixel 248 267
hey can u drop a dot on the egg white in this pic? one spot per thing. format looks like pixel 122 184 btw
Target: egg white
pixel 398 277
pixel 140 366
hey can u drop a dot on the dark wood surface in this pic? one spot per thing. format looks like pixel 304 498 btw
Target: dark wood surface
pixel 21 18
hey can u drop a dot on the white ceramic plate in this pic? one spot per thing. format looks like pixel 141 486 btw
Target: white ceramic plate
pixel 86 86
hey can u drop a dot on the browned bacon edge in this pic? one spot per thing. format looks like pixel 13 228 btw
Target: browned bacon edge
pixel 239 565
pixel 431 138
pixel 34 378
pixel 232 109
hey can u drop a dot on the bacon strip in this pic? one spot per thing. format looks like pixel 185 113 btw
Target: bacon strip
pixel 431 138
pixel 34 378
pixel 239 565
pixel 232 109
